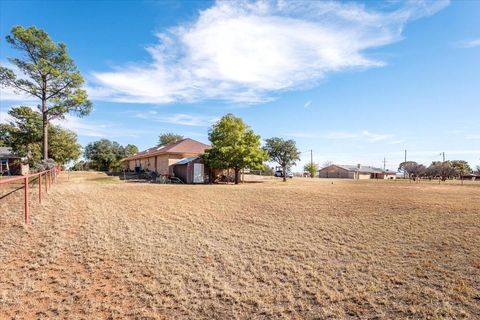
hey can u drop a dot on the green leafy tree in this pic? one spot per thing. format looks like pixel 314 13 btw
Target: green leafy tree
pixel 234 145
pixel 311 168
pixel 62 145
pixel 283 152
pixel 441 169
pixel 49 74
pixel 81 165
pixel 168 137
pixel 461 168
pixel 104 155
pixel 130 150
pixel 24 135
pixel 410 168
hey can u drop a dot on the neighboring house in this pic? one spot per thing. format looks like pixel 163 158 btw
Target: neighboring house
pixel 471 176
pixel 9 162
pixel 161 159
pixel 355 172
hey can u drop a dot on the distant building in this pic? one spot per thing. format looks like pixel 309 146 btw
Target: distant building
pixel 471 176
pixel 161 159
pixel 355 172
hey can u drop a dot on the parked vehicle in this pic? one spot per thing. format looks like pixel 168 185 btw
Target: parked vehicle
pixel 279 173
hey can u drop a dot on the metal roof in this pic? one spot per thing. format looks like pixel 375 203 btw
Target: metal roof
pixel 186 160
pixel 355 168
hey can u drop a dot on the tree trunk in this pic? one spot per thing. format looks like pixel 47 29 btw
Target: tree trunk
pixel 45 129
pixel 237 173
pixel 284 168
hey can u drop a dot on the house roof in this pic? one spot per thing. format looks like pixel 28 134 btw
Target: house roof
pixel 362 169
pixel 7 153
pixel 182 146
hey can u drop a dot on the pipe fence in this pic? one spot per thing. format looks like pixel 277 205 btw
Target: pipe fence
pixel 45 180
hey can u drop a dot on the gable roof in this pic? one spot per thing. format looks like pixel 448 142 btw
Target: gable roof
pixel 178 147
pixel 362 169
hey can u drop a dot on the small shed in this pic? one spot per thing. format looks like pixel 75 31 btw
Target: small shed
pixel 191 170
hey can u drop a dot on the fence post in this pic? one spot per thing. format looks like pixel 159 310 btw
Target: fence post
pixel 27 213
pixel 40 188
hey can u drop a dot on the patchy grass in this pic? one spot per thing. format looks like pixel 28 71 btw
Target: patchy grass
pixel 302 249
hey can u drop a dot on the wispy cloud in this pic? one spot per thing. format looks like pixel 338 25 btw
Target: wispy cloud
pixel 472 137
pixel 307 104
pixel 178 118
pixel 470 43
pixel 344 135
pixel 246 52
pixel 4 117
pixel 84 126
pixel 375 136
pixel 9 94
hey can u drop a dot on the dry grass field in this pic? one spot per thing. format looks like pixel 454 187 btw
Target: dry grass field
pixel 100 248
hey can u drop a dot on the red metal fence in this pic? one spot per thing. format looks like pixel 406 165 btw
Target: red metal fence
pixel 49 177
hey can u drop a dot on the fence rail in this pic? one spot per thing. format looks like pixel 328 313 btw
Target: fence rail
pixel 48 176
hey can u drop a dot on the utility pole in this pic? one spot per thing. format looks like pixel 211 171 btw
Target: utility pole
pixel 443 154
pixel 384 164
pixel 404 172
pixel 311 163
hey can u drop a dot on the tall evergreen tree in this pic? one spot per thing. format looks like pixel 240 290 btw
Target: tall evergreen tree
pixel 47 73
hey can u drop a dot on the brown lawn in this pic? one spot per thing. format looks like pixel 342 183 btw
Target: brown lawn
pixel 99 248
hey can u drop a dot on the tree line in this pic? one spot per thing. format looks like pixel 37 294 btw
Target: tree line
pixel 451 169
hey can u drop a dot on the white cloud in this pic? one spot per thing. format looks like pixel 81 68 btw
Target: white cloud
pixel 375 136
pixel 470 43
pixel 247 51
pixel 472 137
pixel 98 129
pixel 178 118
pixel 307 104
pixel 8 94
pixel 344 135
pixel 4 117
pixel 83 127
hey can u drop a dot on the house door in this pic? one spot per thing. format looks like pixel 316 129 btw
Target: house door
pixel 198 173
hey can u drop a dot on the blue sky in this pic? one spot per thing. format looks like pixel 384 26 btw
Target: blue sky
pixel 353 81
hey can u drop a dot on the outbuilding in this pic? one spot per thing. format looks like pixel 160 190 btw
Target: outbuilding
pixel 355 172
pixel 191 170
